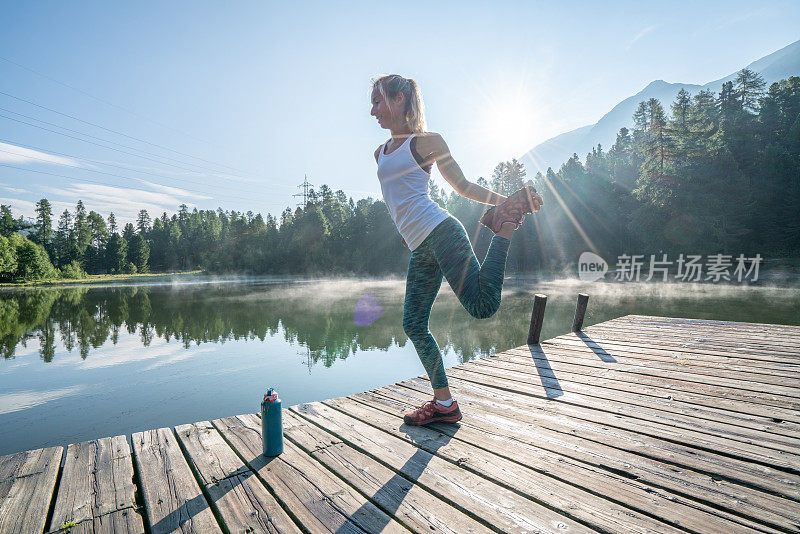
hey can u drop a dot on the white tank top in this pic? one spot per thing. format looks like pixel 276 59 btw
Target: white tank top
pixel 406 191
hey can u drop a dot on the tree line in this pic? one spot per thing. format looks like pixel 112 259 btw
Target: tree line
pixel 717 173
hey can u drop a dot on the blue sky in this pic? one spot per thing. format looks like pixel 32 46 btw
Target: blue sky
pixel 231 104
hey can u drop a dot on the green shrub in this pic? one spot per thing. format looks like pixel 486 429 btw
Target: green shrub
pixel 8 258
pixel 33 263
pixel 73 271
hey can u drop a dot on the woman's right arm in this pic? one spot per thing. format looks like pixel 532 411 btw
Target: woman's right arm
pixel 455 177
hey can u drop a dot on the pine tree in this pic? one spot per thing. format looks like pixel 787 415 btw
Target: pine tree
pixel 508 176
pixel 116 254
pixel 749 88
pixel 8 225
pixel 64 243
pixel 43 229
pixel 95 253
pixel 143 222
pixel 139 253
pixel 82 233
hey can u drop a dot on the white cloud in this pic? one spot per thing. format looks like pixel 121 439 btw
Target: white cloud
pixel 640 35
pixel 17 154
pixel 125 202
pixel 215 175
pixel 174 190
pixel 130 351
pixel 22 400
pixel 20 207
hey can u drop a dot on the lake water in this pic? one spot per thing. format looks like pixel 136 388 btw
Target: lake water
pixel 89 362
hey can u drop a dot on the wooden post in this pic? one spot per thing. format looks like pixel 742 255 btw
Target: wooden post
pixel 537 317
pixel 580 311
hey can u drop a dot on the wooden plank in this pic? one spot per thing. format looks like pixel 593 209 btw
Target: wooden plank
pixel 501 418
pixel 743 446
pixel 566 484
pixel 395 494
pixel 731 380
pixel 779 347
pixel 667 358
pixel 422 457
pixel 557 416
pixel 668 385
pixel 576 407
pixel 96 492
pixel 710 325
pixel 601 339
pixel 679 321
pixel 27 481
pixel 720 366
pixel 238 497
pixel 172 498
pixel 689 344
pixel 776 351
pixel 318 500
pixel 653 409
pixel 598 383
pixel 601 387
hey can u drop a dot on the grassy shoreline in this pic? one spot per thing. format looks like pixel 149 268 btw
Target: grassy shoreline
pixel 776 269
pixel 100 279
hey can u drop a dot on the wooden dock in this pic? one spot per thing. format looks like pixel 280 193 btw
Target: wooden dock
pixel 638 424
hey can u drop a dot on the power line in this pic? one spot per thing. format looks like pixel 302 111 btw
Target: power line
pixel 110 142
pixel 48 151
pixel 105 101
pixel 112 185
pixel 118 133
pixel 15 143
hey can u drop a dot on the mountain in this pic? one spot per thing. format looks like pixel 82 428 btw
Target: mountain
pixel 555 151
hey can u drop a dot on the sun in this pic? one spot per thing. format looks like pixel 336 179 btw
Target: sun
pixel 510 124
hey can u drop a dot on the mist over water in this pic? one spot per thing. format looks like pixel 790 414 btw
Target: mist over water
pixel 87 362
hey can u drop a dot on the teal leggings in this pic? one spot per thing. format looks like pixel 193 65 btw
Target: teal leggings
pixel 447 251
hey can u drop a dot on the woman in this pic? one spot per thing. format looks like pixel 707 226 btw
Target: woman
pixel 438 242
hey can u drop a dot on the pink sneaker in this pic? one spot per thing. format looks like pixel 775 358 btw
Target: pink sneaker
pixel 433 412
pixel 513 208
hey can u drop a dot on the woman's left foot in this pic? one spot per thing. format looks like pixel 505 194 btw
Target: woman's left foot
pixel 433 412
pixel 513 208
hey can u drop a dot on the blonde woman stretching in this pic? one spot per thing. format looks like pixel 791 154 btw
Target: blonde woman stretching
pixel 438 242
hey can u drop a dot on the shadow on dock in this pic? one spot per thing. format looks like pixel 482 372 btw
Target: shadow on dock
pixel 181 515
pixel 550 383
pixel 596 348
pixel 390 496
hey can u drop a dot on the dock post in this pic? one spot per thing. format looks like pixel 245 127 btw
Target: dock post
pixel 580 311
pixel 537 317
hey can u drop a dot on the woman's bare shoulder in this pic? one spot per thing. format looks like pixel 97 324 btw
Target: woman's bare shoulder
pixel 431 143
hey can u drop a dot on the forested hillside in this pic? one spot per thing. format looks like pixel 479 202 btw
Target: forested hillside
pixel 708 173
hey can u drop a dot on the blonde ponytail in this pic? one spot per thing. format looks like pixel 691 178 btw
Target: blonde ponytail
pixel 391 85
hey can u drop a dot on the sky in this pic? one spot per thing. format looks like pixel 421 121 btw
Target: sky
pixel 149 105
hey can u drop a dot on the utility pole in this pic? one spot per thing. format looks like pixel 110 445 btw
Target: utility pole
pixel 306 185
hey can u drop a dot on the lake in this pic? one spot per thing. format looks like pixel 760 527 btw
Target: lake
pixel 94 361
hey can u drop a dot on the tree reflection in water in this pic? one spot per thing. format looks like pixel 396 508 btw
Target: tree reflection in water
pixel 318 316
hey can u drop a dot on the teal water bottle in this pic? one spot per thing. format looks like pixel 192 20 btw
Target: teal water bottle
pixel 271 424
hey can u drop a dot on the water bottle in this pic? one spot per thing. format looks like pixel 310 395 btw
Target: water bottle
pixel 271 424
